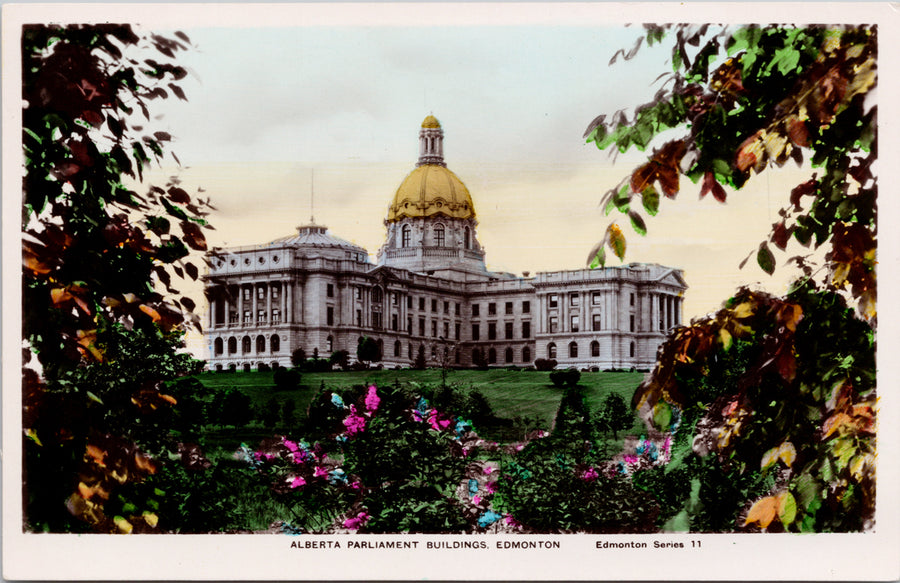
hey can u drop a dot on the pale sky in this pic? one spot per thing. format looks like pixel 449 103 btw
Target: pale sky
pixel 271 107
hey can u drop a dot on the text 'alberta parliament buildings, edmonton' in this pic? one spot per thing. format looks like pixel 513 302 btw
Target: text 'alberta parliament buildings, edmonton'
pixel 430 291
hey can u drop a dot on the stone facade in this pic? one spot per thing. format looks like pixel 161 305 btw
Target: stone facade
pixel 430 291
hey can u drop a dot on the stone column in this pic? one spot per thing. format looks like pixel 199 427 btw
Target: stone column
pixel 289 302
pixel 253 299
pixel 269 303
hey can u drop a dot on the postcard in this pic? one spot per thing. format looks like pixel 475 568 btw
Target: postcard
pixel 465 291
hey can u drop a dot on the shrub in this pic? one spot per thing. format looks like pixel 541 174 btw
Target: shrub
pixel 286 379
pixel 545 364
pixel 565 378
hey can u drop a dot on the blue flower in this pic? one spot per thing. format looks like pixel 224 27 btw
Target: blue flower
pixel 337 476
pixel 488 518
pixel 473 485
pixel 422 406
pixel 461 426
pixel 337 401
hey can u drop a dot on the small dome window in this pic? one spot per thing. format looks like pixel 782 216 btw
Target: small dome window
pixel 233 262
pixel 262 260
pixel 275 259
pixel 247 261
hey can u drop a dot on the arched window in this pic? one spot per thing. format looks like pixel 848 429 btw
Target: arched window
pixel 526 354
pixel 595 349
pixel 232 367
pixel 329 344
pixel 492 356
pixel 396 348
pixel 275 366
pixel 439 235
pixel 232 345
pixel 218 368
pixel 260 343
pixel 275 343
pixel 551 350
pixel 405 236
pixel 377 295
pixel 632 349
pixel 218 346
pixel 247 367
pixel 573 349
pixel 246 344
pixel 476 355
pixel 433 352
pixel 466 242
pixel 509 355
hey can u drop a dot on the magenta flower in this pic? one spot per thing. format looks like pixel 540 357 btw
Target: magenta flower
pixel 356 522
pixel 354 423
pixel 630 458
pixel 488 469
pixel 476 499
pixel 491 487
pixel 372 400
pixel 319 472
pixel 512 521
pixel 298 482
pixel 590 474
pixel 438 421
pixel 355 485
pixel 292 446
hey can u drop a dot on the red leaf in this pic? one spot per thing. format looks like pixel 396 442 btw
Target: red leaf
pixel 178 195
pixel 193 236
pixel 803 189
pixel 780 236
pixel 710 184
pixel 797 132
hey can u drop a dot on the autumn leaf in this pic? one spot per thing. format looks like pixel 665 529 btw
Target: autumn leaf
pixel 710 184
pixel 763 511
pixel 616 240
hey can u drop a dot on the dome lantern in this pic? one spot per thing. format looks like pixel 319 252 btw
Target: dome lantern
pixel 431 143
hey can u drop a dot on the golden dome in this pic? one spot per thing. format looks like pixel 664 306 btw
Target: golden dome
pixel 430 190
pixel 431 122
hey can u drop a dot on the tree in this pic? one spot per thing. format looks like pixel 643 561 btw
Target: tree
pixel 614 415
pixel 95 255
pixel 288 414
pixel 776 94
pixel 420 362
pixel 298 358
pixel 286 379
pixel 340 358
pixel 565 378
pixel 779 391
pixel 270 413
pixel 368 350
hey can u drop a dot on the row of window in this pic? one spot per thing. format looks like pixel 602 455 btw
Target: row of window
pixel 507 308
pixel 573 349
pixel 507 329
pixel 438 236
pixel 247 344
pixel 575 299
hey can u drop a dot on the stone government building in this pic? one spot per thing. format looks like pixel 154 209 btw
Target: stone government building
pixel 430 290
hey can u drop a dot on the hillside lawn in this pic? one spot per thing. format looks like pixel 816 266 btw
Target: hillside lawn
pixel 511 394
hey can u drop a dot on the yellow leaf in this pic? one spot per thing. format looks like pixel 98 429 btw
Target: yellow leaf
pixel 151 518
pixel 124 526
pixel 725 338
pixel 862 465
pixel 33 436
pixel 787 453
pixel 763 511
pixel 769 458
pixel 787 508
pixel 839 274
pixel 741 311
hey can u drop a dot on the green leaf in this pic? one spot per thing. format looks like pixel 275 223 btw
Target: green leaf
pixel 93 397
pixel 788 509
pixel 616 240
pixel 598 258
pixel 766 259
pixel 637 223
pixel 650 200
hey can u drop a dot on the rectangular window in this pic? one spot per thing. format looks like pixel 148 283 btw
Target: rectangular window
pixel 554 324
pixel 492 309
pixel 409 324
pixel 631 299
pixel 276 316
pixel 434 305
pixel 421 326
pixel 508 330
pixel 526 329
pixel 446 330
pixel 248 316
pixel 573 299
pixel 359 318
pixel 275 292
pixel 595 322
pixel 476 332
pixel 456 335
pixel 233 318
pixel 632 322
pixel 329 290
pixel 492 330
pixel 357 291
pixel 376 320
pixel 554 301
pixel 395 299
pixel 457 308
pixel 409 302
pixel 329 315
pixel 574 323
pixel 260 293
pixel 446 307
pixel 395 322
pixel 475 310
pixel 596 298
pixel 421 304
pixel 246 293
pixel 526 307
pixel 509 307
pixel 261 316
pixel 433 328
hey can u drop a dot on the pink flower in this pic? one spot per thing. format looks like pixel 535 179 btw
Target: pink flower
pixel 356 522
pixel 590 474
pixel 476 499
pixel 354 423
pixel 292 446
pixel 355 485
pixel 319 472
pixel 297 482
pixel 491 487
pixel 438 421
pixel 488 469
pixel 372 400
pixel 630 458
pixel 512 521
pixel 667 443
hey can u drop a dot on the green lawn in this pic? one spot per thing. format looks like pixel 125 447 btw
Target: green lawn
pixel 511 393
